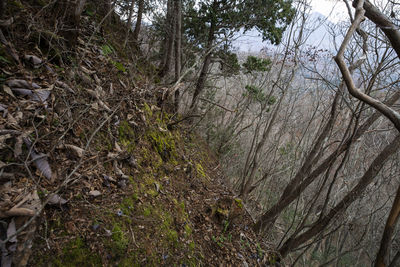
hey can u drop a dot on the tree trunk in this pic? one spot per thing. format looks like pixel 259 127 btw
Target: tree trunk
pixel 384 23
pixel 138 24
pixel 129 26
pixel 381 258
pixel 77 19
pixel 169 39
pixel 178 52
pixel 373 170
pixel 206 64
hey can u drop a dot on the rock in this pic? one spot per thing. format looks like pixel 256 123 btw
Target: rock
pixel 122 183
pixel 34 60
pixel 95 193
pixel 55 199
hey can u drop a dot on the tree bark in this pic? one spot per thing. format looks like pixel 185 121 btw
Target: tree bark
pixel 178 52
pixel 393 36
pixel 381 258
pixel 373 170
pixel 206 64
pixel 384 23
pixel 138 23
pixel 129 26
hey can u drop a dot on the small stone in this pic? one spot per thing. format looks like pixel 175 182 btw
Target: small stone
pixel 34 60
pixel 122 183
pixel 95 193
pixel 96 226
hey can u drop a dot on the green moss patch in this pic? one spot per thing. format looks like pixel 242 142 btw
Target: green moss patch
pixel 76 253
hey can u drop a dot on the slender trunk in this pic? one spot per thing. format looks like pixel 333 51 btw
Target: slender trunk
pixel 178 44
pixel 169 39
pixel 129 26
pixel 138 23
pixel 373 170
pixel 384 23
pixel 107 8
pixel 246 185
pixel 206 64
pixel 391 222
pixel 269 217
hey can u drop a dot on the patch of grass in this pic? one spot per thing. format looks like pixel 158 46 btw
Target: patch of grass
pixel 239 203
pixel 126 136
pixel 107 49
pixel 76 253
pixel 119 241
pixel 118 65
pixel 164 144
pixel 147 211
pixel 200 171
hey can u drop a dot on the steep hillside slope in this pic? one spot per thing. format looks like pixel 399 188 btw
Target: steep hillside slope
pixel 93 172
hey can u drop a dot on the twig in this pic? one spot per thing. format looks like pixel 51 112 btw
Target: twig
pixel 216 104
pixel 183 119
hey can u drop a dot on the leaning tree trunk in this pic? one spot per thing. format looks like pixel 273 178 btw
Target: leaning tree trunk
pixel 381 258
pixel 138 24
pixel 178 52
pixel 321 224
pixel 206 65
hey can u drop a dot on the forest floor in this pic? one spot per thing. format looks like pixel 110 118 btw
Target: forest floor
pixel 93 171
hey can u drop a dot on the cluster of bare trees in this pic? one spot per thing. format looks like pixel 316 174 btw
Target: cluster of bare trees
pixel 312 161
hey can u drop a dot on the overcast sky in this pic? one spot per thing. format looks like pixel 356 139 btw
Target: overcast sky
pixel 334 10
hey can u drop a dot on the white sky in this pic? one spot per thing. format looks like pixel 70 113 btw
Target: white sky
pixel 334 10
